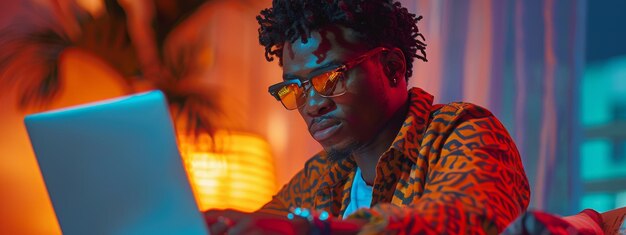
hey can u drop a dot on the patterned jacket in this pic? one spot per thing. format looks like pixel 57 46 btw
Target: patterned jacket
pixel 451 169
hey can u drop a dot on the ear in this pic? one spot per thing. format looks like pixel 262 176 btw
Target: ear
pixel 394 66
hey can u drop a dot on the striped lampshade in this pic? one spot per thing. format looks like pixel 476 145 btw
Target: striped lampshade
pixel 233 170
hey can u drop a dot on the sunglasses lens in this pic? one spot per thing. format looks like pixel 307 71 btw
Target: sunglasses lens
pixel 329 84
pixel 291 96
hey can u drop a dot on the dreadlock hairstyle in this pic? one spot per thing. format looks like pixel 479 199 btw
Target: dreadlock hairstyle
pixel 381 22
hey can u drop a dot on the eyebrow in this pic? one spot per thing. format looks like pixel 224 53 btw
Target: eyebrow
pixel 316 71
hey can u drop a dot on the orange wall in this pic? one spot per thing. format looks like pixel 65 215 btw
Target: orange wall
pixel 25 205
pixel 234 63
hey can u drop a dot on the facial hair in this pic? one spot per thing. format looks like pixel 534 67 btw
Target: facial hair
pixel 337 154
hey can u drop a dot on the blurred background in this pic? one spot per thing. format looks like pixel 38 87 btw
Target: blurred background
pixel 553 71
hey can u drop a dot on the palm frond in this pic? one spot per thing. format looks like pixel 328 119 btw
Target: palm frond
pixel 30 57
pixel 29 63
pixel 197 103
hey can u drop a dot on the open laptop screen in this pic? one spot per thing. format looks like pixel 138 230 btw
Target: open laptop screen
pixel 113 167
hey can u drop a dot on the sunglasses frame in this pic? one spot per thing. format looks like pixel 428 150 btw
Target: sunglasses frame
pixel 274 89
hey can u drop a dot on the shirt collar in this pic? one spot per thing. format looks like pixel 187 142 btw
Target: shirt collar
pixel 407 142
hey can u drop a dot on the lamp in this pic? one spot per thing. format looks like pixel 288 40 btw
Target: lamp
pixel 229 170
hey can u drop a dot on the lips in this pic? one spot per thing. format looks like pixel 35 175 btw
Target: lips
pixel 324 129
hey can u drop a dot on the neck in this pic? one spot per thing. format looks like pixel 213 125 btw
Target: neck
pixel 367 156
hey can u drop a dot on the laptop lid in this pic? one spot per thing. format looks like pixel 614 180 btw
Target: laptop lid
pixel 113 167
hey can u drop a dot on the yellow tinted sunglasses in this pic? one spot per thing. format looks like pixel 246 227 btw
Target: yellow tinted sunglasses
pixel 292 93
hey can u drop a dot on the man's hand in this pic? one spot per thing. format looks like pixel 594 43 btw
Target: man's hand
pixel 235 222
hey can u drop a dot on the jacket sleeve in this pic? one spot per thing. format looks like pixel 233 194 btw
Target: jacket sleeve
pixel 299 190
pixel 289 196
pixel 475 183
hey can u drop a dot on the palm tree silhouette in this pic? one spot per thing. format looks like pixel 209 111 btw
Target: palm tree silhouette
pixel 129 35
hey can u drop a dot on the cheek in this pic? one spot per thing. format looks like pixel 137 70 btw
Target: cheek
pixel 367 89
pixel 368 82
pixel 365 103
pixel 362 121
pixel 305 117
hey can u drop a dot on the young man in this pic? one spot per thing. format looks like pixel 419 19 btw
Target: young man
pixel 392 161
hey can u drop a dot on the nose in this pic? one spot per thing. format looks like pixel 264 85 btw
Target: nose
pixel 316 105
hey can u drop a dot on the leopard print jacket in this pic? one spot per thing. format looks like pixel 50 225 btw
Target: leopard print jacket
pixel 452 169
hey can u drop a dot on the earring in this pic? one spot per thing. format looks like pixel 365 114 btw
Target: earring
pixel 391 73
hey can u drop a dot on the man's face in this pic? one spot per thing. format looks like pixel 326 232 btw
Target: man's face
pixel 344 123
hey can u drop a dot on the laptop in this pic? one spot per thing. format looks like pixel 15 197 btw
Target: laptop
pixel 113 167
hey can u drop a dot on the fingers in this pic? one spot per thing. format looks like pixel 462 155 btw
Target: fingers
pixel 237 223
pixel 221 225
pixel 219 221
pixel 212 215
pixel 218 228
pixel 243 226
pixel 267 226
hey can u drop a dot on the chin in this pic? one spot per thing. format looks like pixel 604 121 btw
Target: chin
pixel 340 151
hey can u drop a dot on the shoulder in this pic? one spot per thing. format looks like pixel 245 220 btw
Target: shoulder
pixel 459 110
pixel 316 166
pixel 447 119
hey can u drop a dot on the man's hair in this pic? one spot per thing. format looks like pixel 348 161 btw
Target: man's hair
pixel 380 23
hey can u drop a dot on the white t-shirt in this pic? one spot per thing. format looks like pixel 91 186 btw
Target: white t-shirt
pixel 360 194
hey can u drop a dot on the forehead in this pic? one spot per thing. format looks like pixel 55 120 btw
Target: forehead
pixel 327 46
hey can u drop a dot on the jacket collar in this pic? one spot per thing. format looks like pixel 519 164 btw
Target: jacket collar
pixel 407 141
